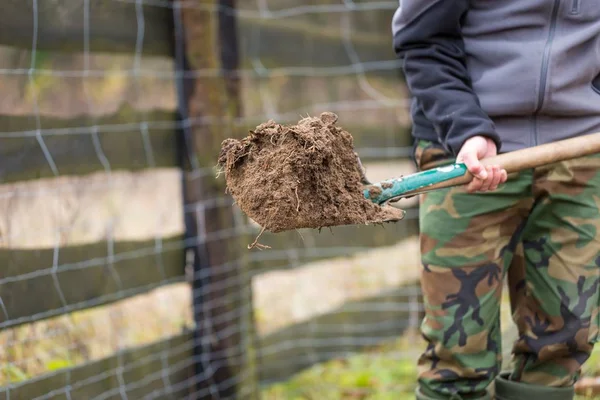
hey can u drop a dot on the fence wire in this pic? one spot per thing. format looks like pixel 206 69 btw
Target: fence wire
pixel 99 298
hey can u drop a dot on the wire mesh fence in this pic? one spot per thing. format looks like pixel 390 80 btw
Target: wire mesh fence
pixel 125 272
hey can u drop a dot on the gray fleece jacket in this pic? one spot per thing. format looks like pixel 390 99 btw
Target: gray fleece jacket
pixel 523 72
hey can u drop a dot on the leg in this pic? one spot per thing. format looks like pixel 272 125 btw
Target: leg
pixel 558 316
pixel 466 241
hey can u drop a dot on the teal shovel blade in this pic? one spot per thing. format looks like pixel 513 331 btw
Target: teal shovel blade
pixel 397 188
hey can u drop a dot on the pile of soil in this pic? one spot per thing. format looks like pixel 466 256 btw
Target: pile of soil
pixel 300 176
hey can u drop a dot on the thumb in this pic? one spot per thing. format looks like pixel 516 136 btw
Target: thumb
pixel 473 165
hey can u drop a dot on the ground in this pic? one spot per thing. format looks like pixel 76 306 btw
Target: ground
pixel 382 374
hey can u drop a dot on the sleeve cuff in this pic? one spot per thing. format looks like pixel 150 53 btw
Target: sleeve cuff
pixel 455 144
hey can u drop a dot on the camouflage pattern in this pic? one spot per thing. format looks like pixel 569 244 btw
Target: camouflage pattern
pixel 538 230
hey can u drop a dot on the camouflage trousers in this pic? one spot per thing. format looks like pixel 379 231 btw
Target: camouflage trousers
pixel 539 231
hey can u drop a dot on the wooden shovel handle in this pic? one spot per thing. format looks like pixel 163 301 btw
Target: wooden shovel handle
pixel 532 157
pixel 544 154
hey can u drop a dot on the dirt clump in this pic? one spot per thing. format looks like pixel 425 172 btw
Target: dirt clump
pixel 300 176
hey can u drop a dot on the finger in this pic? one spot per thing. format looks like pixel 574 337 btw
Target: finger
pixel 502 177
pixel 486 182
pixel 497 176
pixel 474 166
pixel 474 185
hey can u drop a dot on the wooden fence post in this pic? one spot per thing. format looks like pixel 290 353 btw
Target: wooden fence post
pixel 207 56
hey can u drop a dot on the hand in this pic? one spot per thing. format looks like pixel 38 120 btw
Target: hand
pixel 484 178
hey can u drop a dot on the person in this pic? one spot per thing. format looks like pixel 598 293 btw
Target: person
pixel 487 77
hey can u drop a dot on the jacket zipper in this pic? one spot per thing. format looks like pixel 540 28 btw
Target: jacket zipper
pixel 575 7
pixel 545 63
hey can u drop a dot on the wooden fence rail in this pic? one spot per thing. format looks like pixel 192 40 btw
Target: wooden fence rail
pixel 163 370
pixel 114 27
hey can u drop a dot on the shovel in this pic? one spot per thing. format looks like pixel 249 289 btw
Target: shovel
pixel 456 174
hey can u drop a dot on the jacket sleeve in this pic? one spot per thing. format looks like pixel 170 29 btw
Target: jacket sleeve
pixel 428 39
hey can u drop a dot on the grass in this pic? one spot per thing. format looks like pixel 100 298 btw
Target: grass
pixel 38 348
pixel 386 372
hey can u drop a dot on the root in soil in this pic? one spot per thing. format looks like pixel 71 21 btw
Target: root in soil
pixel 300 176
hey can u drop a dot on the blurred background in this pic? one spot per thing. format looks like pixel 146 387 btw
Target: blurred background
pixel 124 268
